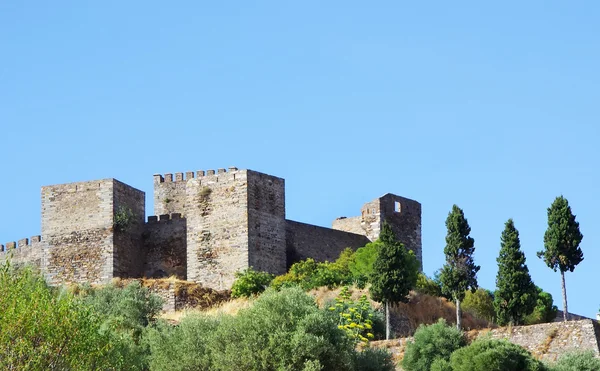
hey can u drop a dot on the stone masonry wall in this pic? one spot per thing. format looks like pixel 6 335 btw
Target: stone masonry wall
pixel 322 244
pixel 404 216
pixel 266 223
pixel 217 227
pixel 77 223
pixel 165 246
pixel 24 252
pixel 352 225
pixel 128 252
pixel 548 341
pixel 170 193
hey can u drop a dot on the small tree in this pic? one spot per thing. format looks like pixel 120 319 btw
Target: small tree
pixel 544 311
pixel 394 273
pixel 459 274
pixel 516 295
pixel 561 243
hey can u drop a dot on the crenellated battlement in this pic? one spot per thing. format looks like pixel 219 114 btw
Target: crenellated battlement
pixel 189 175
pixel 152 219
pixel 34 241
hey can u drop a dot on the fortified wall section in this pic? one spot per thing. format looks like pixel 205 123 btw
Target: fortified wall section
pixel 322 244
pixel 77 221
pixel 266 223
pixel 165 246
pixel 402 214
pixel 217 227
pixel 25 251
pixel 129 213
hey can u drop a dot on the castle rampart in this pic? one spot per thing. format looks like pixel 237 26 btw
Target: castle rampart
pixel 207 226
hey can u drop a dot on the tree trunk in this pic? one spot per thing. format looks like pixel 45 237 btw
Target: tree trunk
pixel 458 315
pixel 564 295
pixel 387 320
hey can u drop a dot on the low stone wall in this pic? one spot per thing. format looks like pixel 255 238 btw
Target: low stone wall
pixel 548 341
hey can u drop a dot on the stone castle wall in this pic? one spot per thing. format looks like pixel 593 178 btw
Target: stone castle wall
pixel 208 226
pixel 25 251
pixel 164 243
pixel 322 244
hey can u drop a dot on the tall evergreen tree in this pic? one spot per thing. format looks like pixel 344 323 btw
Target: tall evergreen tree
pixel 395 272
pixel 459 274
pixel 515 295
pixel 561 243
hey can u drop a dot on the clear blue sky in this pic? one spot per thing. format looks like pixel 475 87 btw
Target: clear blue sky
pixel 492 107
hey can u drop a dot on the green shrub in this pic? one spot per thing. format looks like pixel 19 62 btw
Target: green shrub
pixel 282 330
pixel 126 309
pixel 250 282
pixel 361 264
pixel 43 328
pixel 480 303
pixel 577 361
pixel 427 286
pixel 374 359
pixel 494 355
pixel 355 318
pixel 183 347
pixel 430 343
pixel 308 274
pixel 544 311
pixel 440 364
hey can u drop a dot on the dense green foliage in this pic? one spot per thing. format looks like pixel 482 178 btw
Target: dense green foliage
pixel 395 269
pixel 459 273
pixel 480 303
pixel 515 295
pixel 577 361
pixel 544 311
pixel 494 355
pixel 250 282
pixel 361 263
pixel 283 330
pixel 427 286
pixel 45 328
pixel 431 343
pixel 308 274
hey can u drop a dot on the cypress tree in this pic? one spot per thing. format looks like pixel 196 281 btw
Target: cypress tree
pixel 515 295
pixel 395 272
pixel 561 243
pixel 459 274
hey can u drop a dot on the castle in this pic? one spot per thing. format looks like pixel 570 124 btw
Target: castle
pixel 207 226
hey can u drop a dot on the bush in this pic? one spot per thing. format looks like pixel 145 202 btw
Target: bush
pixel 577 361
pixel 494 355
pixel 250 282
pixel 361 264
pixel 480 303
pixel 127 310
pixel 183 347
pixel 45 328
pixel 431 343
pixel 427 286
pixel 283 330
pixel 308 274
pixel 544 311
pixel 373 359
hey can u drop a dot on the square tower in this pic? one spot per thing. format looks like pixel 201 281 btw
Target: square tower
pixel 92 231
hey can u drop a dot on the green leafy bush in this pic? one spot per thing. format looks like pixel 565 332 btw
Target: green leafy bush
pixel 374 359
pixel 494 355
pixel 431 343
pixel 577 361
pixel 250 282
pixel 183 347
pixel 480 303
pixel 544 311
pixel 361 264
pixel 283 330
pixel 43 328
pixel 308 274
pixel 428 286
